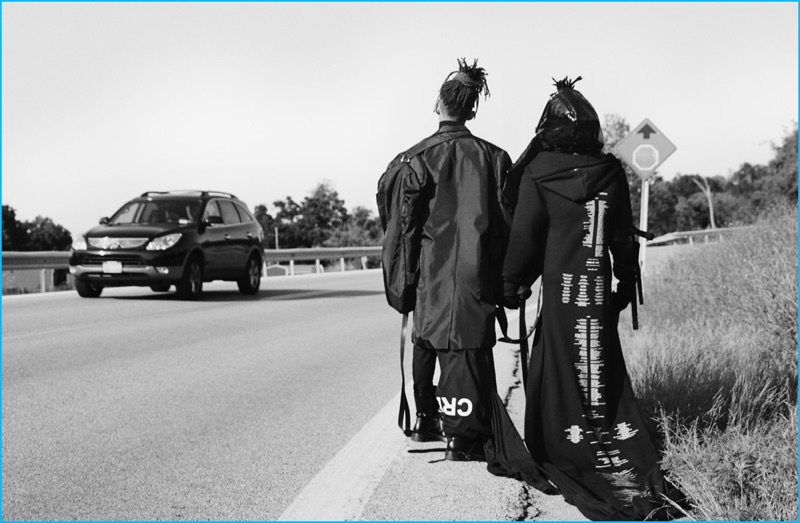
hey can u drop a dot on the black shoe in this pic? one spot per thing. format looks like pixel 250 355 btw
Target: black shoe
pixel 428 428
pixel 463 449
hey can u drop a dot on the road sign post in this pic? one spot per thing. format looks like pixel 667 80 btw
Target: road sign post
pixel 644 149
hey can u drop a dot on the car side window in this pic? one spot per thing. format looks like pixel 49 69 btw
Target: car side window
pixel 245 215
pixel 211 210
pixel 229 214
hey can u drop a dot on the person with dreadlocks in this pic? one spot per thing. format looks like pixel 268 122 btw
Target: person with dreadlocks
pixel 465 224
pixel 582 423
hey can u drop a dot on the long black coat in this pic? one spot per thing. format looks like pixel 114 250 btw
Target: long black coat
pixel 464 238
pixel 582 423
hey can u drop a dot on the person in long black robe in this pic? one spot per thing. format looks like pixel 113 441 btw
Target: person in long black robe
pixel 583 427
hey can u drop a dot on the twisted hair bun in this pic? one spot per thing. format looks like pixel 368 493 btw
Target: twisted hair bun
pixel 461 89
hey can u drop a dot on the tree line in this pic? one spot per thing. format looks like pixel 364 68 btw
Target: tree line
pixel 692 201
pixel 41 234
pixel 321 219
pixel 686 202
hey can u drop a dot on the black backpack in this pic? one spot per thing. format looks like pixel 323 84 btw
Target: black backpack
pixel 400 204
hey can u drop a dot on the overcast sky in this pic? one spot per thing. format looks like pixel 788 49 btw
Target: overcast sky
pixel 103 101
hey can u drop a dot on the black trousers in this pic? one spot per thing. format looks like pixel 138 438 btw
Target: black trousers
pixel 465 390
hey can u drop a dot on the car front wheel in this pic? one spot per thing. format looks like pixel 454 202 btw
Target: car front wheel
pixel 190 285
pixel 86 290
pixel 250 281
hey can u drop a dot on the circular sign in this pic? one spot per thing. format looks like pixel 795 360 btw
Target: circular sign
pixel 645 157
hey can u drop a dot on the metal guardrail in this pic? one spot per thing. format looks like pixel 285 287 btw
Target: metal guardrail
pixel 322 253
pixel 316 255
pixel 705 235
pixel 52 260
pixel 44 260
pixel 17 260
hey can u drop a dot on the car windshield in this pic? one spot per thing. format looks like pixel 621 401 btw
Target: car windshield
pixel 180 212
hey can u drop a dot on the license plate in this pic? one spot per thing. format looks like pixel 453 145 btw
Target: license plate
pixel 112 267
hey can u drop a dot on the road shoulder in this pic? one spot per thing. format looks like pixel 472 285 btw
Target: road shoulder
pixel 420 485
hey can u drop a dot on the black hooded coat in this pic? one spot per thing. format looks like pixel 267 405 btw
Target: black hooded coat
pixel 582 423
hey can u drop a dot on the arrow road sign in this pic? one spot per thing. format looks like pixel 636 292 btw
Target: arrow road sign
pixel 644 149
pixel 646 131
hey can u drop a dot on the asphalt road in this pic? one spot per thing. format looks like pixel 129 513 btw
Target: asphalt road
pixel 139 406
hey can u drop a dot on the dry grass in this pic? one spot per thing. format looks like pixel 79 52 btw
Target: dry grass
pixel 736 474
pixel 714 366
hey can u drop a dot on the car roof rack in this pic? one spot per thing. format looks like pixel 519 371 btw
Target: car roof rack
pixel 188 192
pixel 219 193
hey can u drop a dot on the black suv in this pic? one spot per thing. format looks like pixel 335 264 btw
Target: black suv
pixel 180 238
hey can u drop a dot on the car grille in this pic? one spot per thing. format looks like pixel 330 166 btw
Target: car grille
pixel 117 243
pixel 130 260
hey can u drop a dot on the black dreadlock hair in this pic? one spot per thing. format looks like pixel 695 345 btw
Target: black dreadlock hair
pixel 566 83
pixel 461 89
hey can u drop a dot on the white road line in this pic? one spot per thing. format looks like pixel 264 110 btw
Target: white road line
pixel 342 489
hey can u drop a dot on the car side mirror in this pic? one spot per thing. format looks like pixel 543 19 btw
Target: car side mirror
pixel 212 220
pixel 104 220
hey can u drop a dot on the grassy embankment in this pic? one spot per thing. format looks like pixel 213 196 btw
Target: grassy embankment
pixel 714 365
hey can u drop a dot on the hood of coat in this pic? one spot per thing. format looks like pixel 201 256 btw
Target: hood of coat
pixel 569 123
pixel 573 176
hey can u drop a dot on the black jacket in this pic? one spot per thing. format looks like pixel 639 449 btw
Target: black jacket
pixel 464 238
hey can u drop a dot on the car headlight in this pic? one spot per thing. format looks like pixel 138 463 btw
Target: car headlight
pixel 79 244
pixel 163 242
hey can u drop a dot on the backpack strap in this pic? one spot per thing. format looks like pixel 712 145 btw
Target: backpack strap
pixel 404 416
pixel 524 332
pixel 637 291
pixel 523 344
pixel 502 320
pixel 638 280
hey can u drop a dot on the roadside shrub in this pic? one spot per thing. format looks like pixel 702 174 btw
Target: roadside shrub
pixel 719 314
pixel 714 367
pixel 736 474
